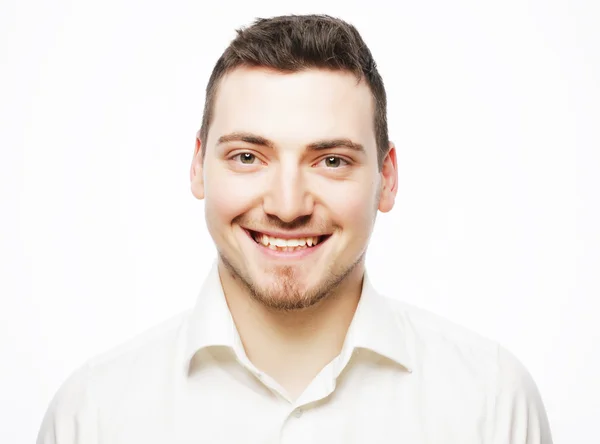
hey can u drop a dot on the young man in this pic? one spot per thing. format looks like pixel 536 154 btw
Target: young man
pixel 289 342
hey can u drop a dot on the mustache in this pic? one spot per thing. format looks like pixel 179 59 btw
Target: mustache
pixel 301 223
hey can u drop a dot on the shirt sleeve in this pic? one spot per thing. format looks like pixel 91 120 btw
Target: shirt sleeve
pixel 70 417
pixel 518 415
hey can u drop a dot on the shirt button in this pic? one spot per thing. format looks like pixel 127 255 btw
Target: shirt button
pixel 298 413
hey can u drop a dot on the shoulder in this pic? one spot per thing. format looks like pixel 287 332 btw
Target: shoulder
pixel 518 414
pixel 74 408
pixel 431 332
pixel 69 406
pixel 149 344
pixel 476 366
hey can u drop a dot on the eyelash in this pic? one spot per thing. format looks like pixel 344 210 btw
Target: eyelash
pixel 238 156
pixel 345 162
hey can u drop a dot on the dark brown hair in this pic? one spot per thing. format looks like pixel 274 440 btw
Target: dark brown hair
pixel 297 42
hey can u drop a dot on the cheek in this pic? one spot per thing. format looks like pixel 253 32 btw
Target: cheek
pixel 227 195
pixel 353 208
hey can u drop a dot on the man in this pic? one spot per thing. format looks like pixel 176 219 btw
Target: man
pixel 289 342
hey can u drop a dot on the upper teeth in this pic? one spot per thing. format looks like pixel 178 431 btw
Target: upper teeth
pixel 277 242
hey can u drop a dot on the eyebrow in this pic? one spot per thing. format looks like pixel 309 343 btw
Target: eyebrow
pixel 319 145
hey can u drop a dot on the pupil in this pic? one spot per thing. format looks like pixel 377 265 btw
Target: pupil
pixel 247 158
pixel 332 161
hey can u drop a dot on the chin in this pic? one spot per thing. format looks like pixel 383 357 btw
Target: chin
pixel 288 286
pixel 289 290
pixel 287 297
pixel 285 289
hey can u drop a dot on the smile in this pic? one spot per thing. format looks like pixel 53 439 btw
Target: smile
pixel 287 246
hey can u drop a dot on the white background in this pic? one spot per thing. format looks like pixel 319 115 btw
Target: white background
pixel 494 107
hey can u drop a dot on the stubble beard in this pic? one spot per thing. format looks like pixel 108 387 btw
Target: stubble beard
pixel 286 294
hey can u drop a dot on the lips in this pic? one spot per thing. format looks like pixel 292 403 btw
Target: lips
pixel 287 244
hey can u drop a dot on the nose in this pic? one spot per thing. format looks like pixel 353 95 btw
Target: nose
pixel 288 197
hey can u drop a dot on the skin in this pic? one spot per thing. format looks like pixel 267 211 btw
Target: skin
pixel 261 171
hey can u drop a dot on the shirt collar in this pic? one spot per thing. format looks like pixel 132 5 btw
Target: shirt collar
pixel 210 323
pixel 376 326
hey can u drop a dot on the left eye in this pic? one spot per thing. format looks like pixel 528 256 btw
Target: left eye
pixel 334 162
pixel 245 158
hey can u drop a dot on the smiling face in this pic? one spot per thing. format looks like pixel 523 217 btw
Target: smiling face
pixel 291 181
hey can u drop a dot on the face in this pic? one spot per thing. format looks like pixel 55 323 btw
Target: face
pixel 291 182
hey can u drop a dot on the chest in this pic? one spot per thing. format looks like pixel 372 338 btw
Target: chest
pixel 386 406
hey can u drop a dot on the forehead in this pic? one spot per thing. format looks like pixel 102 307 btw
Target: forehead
pixel 293 108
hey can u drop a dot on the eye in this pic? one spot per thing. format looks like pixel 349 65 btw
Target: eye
pixel 245 158
pixel 334 162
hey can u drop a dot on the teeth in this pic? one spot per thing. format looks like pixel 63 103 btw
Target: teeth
pixel 296 242
pixel 286 244
pixel 278 242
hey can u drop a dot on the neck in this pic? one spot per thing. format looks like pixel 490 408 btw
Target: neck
pixel 293 347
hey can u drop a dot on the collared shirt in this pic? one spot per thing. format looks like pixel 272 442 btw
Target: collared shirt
pixel 404 375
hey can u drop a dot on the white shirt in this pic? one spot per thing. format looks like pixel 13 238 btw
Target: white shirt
pixel 404 376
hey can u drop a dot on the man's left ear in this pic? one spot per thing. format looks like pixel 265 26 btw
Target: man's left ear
pixel 389 180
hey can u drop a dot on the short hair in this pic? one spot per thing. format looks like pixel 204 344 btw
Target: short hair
pixel 294 43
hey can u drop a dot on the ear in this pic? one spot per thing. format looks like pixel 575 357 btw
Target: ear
pixel 197 170
pixel 389 181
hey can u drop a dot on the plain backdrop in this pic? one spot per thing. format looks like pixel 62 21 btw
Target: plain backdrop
pixel 494 108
